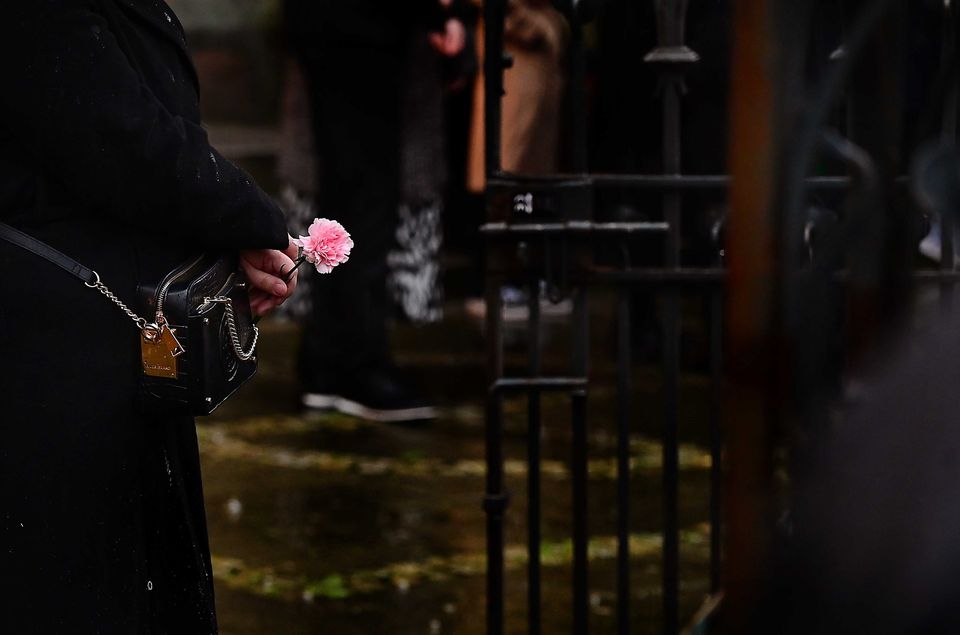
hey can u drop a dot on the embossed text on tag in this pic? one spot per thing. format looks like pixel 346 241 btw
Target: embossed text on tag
pixel 158 359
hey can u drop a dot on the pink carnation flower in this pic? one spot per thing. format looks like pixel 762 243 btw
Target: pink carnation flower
pixel 326 245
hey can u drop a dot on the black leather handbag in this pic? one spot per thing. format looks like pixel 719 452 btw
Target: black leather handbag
pixel 197 337
pixel 211 348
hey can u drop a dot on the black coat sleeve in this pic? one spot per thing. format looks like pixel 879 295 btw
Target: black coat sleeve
pixel 70 94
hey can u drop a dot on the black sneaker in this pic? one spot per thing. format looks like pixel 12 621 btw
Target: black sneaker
pixel 376 395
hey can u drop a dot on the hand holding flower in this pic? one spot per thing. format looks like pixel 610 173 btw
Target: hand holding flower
pixel 271 275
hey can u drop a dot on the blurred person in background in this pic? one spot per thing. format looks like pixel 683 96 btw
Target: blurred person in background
pixel 430 78
pixel 535 36
pixel 354 60
pixel 434 69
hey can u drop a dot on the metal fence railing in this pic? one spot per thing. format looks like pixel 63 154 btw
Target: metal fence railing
pixel 816 228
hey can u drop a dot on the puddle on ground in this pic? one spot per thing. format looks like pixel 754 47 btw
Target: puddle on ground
pixel 326 524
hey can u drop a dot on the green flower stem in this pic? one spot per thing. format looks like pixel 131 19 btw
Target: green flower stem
pixel 302 259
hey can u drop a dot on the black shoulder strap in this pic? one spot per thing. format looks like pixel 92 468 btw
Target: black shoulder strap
pixel 45 251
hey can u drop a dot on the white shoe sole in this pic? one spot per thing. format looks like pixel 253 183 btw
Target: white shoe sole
pixel 477 309
pixel 348 407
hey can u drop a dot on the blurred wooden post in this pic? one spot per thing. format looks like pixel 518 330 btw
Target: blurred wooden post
pixel 751 404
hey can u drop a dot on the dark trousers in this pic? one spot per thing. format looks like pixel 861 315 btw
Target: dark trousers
pixel 354 93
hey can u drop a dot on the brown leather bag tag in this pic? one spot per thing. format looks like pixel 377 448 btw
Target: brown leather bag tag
pixel 159 359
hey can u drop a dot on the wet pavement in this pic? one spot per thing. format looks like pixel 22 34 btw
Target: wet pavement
pixel 322 523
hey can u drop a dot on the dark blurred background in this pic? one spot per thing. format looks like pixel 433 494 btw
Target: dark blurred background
pixel 323 523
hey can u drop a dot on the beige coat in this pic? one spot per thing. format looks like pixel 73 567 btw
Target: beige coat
pixel 535 34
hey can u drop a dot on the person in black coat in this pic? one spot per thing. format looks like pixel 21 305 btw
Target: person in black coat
pixel 352 55
pixel 102 155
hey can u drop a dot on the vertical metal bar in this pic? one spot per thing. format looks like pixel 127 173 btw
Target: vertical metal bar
pixel 578 404
pixel 577 131
pixel 494 12
pixel 671 86
pixel 580 530
pixel 671 553
pixel 624 408
pixel 715 298
pixel 949 135
pixel 495 500
pixel 716 434
pixel 672 58
pixel 533 459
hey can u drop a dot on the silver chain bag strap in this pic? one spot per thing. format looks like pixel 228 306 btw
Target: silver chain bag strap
pixel 200 346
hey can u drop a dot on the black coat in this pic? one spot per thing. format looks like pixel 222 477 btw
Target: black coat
pixel 102 526
pixel 361 25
